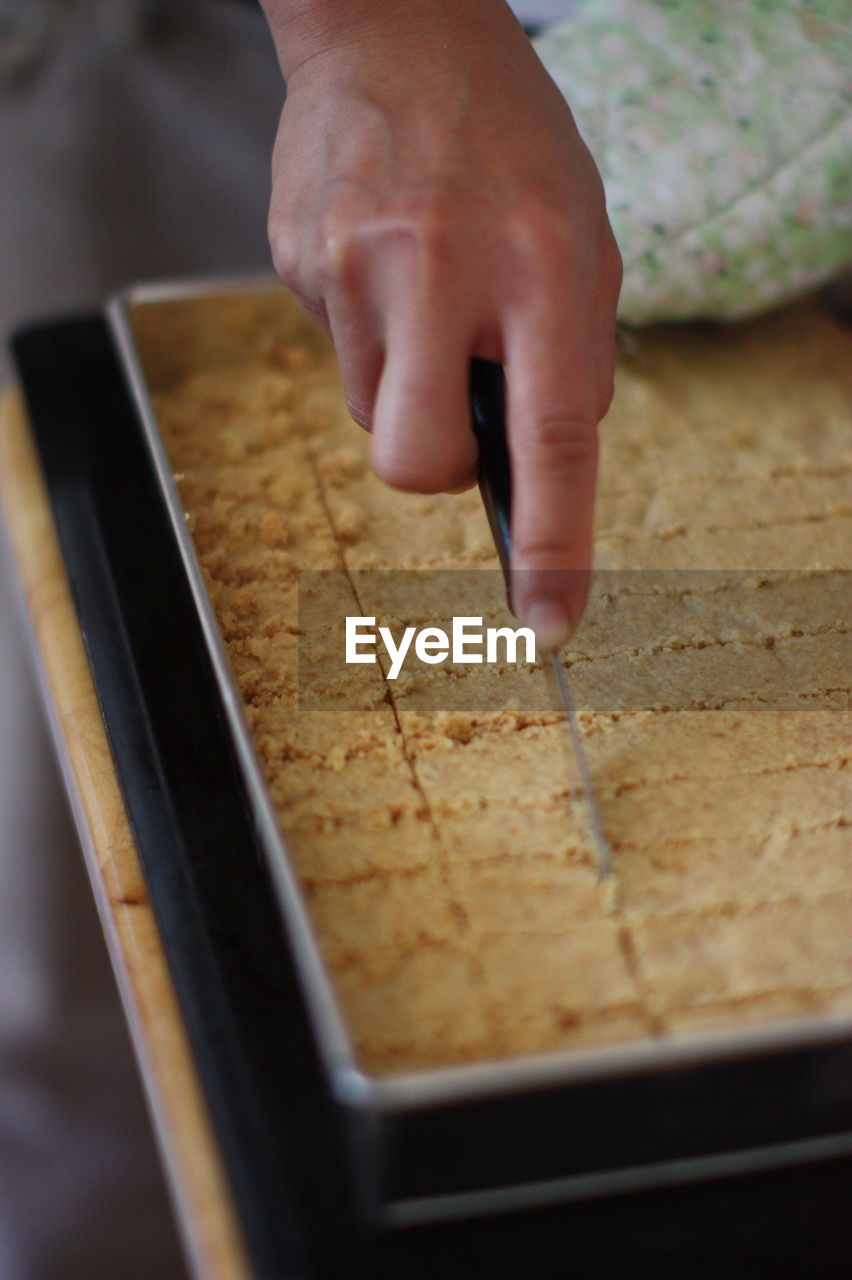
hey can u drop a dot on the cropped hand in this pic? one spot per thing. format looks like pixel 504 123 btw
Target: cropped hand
pixel 433 201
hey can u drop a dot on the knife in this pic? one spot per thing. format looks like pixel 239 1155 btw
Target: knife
pixel 488 410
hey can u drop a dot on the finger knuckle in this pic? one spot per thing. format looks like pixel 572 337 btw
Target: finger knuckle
pixel 283 247
pixel 422 229
pixel 566 436
pixel 431 230
pixel 335 252
pixel 543 243
pixel 541 550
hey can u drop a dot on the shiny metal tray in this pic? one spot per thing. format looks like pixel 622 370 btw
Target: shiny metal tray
pixel 536 1129
pixel 420 1147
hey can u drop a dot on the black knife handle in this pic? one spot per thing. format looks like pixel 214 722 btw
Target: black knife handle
pixel 488 409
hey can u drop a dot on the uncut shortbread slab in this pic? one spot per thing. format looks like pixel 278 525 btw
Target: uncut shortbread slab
pixel 443 851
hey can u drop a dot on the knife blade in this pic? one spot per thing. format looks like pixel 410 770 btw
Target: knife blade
pixel 488 411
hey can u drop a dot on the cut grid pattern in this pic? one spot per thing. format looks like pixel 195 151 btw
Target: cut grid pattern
pixel 444 857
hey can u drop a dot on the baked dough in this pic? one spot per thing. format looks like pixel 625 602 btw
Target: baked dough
pixel 443 853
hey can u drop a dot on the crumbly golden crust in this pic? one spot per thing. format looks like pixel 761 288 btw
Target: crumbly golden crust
pixel 444 855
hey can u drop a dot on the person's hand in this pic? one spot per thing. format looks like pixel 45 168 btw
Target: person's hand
pixel 433 201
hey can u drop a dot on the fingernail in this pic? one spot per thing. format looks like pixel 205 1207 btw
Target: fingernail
pixel 551 623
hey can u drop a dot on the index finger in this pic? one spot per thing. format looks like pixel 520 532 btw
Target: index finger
pixel 552 404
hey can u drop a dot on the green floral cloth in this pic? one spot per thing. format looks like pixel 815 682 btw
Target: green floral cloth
pixel 723 133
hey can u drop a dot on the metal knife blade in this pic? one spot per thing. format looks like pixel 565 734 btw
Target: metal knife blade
pixel 603 849
pixel 488 406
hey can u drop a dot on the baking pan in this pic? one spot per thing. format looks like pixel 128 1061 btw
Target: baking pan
pixel 426 1146
pixel 448 1142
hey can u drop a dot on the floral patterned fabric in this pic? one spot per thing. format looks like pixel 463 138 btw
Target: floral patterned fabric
pixel 723 132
